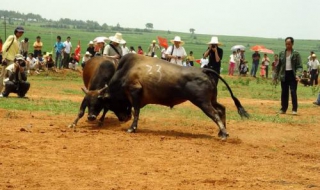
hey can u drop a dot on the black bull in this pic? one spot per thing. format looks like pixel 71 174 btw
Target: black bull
pixel 144 80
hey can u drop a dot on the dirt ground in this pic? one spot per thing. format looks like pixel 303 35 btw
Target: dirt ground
pixel 38 151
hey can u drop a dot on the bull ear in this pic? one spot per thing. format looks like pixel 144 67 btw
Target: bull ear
pixel 85 90
pixel 103 90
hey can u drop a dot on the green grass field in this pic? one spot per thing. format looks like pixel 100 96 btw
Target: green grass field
pixel 198 46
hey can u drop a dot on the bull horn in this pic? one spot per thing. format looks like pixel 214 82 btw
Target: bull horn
pixel 103 89
pixel 85 90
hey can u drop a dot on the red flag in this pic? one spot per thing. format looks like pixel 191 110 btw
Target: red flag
pixel 77 52
pixel 198 61
pixel 163 42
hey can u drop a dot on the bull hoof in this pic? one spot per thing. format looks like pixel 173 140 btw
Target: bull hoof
pixel 100 124
pixel 72 125
pixel 131 130
pixel 223 135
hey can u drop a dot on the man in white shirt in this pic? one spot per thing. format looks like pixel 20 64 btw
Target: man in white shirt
pixel 176 53
pixel 125 49
pixel 66 53
pixel 314 69
pixel 204 61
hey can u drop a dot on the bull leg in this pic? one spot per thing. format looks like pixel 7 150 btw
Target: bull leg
pixel 211 112
pixel 80 114
pixel 222 112
pixel 101 120
pixel 135 94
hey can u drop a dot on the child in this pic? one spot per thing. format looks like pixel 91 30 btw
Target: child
pixel 40 61
pixel 49 62
pixel 73 62
pixel 305 79
pixel 32 63
pixel 232 63
pixel 244 69
pixel 85 58
pixel 263 70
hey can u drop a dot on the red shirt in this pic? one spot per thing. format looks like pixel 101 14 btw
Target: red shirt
pixel 140 51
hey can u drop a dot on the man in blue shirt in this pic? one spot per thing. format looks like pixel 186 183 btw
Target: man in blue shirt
pixel 59 47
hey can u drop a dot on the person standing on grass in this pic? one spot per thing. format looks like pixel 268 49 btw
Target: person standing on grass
pixel 274 64
pixel 153 47
pixel 176 52
pixel 125 49
pixel 191 59
pixel 232 63
pixel 37 46
pixel 237 60
pixel 113 49
pixel 317 102
pixel 288 72
pixel 90 48
pixel 266 62
pixel 24 47
pixel 10 49
pixel 255 63
pixel 314 69
pixel 66 53
pixel 59 47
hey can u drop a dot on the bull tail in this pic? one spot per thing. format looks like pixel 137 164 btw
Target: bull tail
pixel 242 112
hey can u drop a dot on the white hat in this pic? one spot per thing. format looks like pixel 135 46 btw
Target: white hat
pixel 214 40
pixel 177 39
pixel 87 53
pixel 91 43
pixel 100 39
pixel 19 57
pixel 313 55
pixel 117 38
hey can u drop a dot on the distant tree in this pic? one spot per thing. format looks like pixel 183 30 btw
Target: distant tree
pixel 118 25
pixel 192 30
pixel 169 32
pixel 149 26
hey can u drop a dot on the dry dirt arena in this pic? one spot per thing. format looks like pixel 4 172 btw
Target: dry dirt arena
pixel 38 151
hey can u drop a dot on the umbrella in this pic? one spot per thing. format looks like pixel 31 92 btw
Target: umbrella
pixel 101 38
pixel 265 50
pixel 257 47
pixel 236 47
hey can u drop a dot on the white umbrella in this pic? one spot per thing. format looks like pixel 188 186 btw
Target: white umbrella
pixel 100 39
pixel 236 47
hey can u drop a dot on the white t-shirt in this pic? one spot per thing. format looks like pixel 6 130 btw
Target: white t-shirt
pixel 232 58
pixel 85 58
pixel 266 61
pixel 288 63
pixel 204 62
pixel 68 46
pixel 314 64
pixel 163 53
pixel 32 62
pixel 125 50
pixel 179 52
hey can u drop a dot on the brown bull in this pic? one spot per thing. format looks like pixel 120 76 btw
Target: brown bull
pixel 143 80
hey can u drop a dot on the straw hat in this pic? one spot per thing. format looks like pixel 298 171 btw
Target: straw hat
pixel 177 39
pixel 87 53
pixel 117 38
pixel 91 43
pixel 214 40
pixel 19 57
pixel 154 41
pixel 314 55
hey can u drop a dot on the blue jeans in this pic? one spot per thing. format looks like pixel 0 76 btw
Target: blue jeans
pixel 58 60
pixel 254 69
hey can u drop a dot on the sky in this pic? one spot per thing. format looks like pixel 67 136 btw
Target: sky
pixel 258 18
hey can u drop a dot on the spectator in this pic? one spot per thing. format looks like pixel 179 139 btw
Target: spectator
pixel 1 44
pixel 263 69
pixel 66 53
pixel 132 50
pixel 255 63
pixel 73 62
pixel 85 58
pixel 176 53
pixel 140 51
pixel 244 69
pixel 204 61
pixel 125 49
pixel 37 46
pixel 215 56
pixel 237 60
pixel 32 63
pixel 153 48
pixel 266 62
pixel 305 79
pixel 163 53
pixel 191 58
pixel 232 63
pixel 59 47
pixel 113 50
pixel 314 70
pixel 288 72
pixel 10 49
pixel 40 62
pixel 274 65
pixel 309 59
pixel 16 78
pixel 317 102
pixel 24 47
pixel 100 45
pixel 90 48
pixel 49 62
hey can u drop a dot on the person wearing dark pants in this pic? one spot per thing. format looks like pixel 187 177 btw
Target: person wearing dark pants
pixel 215 55
pixel 255 63
pixel 288 71
pixel 317 102
pixel 16 78
pixel 314 69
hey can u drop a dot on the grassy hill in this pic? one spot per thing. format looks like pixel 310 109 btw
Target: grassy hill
pixel 135 39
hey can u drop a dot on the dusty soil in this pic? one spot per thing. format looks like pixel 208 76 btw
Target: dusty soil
pixel 38 151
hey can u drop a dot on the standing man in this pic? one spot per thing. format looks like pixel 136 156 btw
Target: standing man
pixel 9 50
pixel 288 71
pixel 215 55
pixel 113 50
pixel 266 62
pixel 37 45
pixel 59 47
pixel 125 49
pixel 66 53
pixel 24 47
pixel 176 53
pixel 314 69
pixel 255 63
pixel 153 48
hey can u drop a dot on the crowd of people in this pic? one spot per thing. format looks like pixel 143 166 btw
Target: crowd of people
pixel 17 61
